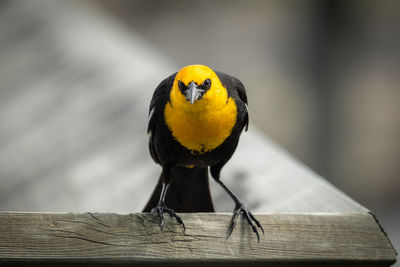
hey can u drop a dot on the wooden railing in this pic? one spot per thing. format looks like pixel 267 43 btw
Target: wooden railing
pixel 107 238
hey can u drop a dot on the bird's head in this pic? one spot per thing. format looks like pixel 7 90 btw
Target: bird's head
pixel 196 84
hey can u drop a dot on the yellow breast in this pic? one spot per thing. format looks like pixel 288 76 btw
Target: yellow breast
pixel 201 131
pixel 205 124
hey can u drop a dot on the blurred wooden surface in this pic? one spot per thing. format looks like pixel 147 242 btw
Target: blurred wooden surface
pixel 290 239
pixel 74 95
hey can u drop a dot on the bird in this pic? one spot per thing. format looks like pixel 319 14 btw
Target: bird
pixel 196 117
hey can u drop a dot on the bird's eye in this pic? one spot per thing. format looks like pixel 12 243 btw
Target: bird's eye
pixel 182 86
pixel 206 84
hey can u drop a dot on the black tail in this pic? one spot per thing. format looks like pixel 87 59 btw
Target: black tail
pixel 188 191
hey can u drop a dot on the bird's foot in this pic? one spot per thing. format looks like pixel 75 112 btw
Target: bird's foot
pixel 253 222
pixel 161 208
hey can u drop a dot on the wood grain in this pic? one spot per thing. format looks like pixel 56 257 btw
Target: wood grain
pixel 137 238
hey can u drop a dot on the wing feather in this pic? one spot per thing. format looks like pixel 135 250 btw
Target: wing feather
pixel 157 103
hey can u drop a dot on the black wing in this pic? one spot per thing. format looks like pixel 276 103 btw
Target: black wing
pixel 157 104
pixel 236 90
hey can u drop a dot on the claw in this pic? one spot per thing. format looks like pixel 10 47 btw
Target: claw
pixel 161 220
pixel 246 213
pixel 161 208
pixel 240 209
pixel 235 214
pixel 172 213
pixel 257 222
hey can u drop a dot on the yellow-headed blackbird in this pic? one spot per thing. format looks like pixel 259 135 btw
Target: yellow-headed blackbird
pixel 196 118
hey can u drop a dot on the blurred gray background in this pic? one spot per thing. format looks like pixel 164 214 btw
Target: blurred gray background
pixel 323 81
pixel 323 77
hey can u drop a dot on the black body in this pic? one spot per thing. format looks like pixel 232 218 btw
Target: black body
pixel 189 190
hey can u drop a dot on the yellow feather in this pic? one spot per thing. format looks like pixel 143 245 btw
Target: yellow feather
pixel 205 124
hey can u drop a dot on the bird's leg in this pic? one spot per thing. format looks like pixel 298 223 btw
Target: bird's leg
pixel 161 208
pixel 240 209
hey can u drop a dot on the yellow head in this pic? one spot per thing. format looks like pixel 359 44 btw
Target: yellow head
pixel 197 87
pixel 200 115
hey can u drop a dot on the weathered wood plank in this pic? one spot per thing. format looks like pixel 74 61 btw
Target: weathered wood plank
pixel 136 238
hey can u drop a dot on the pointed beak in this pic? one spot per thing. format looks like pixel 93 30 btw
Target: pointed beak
pixel 193 93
